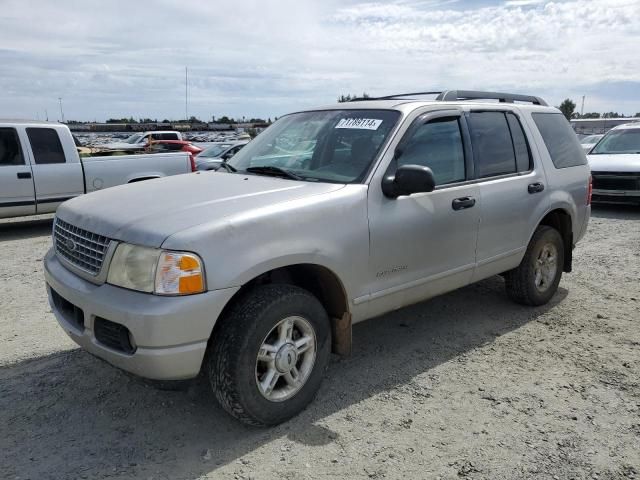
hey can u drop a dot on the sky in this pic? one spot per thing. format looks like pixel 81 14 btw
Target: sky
pixel 257 58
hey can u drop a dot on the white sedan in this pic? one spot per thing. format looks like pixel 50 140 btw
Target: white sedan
pixel 588 142
pixel 615 165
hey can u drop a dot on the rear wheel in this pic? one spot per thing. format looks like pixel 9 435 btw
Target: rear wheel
pixel 536 279
pixel 269 355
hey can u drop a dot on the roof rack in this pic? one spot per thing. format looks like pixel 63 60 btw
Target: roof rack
pixel 454 95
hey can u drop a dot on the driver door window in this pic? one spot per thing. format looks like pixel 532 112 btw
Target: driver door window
pixel 438 145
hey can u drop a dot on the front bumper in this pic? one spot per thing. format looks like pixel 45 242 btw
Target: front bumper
pixel 170 334
pixel 616 187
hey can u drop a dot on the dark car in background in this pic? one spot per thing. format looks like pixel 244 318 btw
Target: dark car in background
pixel 215 154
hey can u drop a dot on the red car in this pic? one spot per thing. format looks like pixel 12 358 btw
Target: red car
pixel 157 146
pixel 163 146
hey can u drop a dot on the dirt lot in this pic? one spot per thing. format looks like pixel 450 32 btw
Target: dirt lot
pixel 467 385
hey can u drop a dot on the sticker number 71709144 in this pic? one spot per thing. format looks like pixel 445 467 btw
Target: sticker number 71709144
pixel 359 123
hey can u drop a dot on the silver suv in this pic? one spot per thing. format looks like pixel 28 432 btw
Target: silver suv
pixel 255 273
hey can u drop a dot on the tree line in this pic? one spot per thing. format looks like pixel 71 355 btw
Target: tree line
pixel 568 109
pixel 224 120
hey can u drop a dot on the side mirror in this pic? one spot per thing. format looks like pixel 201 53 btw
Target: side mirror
pixel 407 180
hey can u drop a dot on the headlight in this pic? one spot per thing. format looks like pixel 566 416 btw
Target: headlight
pixel 134 267
pixel 157 271
pixel 179 273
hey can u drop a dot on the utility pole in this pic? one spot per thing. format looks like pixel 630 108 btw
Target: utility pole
pixel 46 114
pixel 582 108
pixel 61 112
pixel 186 87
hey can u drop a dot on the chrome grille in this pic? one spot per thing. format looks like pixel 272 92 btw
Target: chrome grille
pixel 81 248
pixel 629 181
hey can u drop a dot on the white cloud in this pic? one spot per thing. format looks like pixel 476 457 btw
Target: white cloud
pixel 522 3
pixel 264 58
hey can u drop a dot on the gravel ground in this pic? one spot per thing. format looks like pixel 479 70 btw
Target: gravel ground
pixel 467 385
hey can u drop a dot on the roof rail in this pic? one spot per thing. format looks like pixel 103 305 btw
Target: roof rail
pixel 455 95
pixel 393 97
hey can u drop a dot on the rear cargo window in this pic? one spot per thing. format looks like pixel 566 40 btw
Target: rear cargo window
pixel 560 140
pixel 45 145
pixel 10 152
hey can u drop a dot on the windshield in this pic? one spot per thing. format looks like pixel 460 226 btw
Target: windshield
pixel 329 145
pixel 619 141
pixel 215 150
pixel 135 138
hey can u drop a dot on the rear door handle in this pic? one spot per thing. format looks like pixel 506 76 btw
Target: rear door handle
pixel 535 187
pixel 463 202
pixel 24 174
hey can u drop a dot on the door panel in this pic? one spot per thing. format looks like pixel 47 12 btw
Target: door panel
pixel 16 179
pixel 424 244
pixel 511 190
pixel 421 236
pixel 509 213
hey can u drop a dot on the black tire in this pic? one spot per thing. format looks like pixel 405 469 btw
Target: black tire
pixel 520 282
pixel 234 348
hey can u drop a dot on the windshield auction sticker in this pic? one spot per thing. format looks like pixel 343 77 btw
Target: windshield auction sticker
pixel 359 123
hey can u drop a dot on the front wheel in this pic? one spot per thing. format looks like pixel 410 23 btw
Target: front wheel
pixel 268 356
pixel 536 279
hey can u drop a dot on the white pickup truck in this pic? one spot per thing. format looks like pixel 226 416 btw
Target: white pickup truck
pixel 40 168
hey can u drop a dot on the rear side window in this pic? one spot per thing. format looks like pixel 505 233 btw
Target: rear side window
pixel 10 151
pixel 492 147
pixel 173 147
pixel 560 140
pixel 45 145
pixel 168 136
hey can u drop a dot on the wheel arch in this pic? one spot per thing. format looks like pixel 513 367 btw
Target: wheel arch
pixel 560 219
pixel 320 281
pixel 141 179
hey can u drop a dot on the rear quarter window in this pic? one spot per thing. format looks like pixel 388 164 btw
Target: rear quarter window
pixel 10 151
pixel 560 140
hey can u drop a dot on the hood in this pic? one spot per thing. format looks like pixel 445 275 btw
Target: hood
pixel 148 212
pixel 614 163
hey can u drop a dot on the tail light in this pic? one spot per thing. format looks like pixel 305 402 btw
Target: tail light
pixel 193 164
pixel 590 191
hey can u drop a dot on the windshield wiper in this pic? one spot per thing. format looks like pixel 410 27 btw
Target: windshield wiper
pixel 227 167
pixel 274 171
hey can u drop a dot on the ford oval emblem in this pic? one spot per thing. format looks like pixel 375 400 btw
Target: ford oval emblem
pixel 70 244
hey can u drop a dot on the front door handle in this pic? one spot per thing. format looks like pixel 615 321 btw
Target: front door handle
pixel 463 202
pixel 535 187
pixel 24 174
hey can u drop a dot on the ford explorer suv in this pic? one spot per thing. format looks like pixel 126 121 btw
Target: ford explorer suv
pixel 253 274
